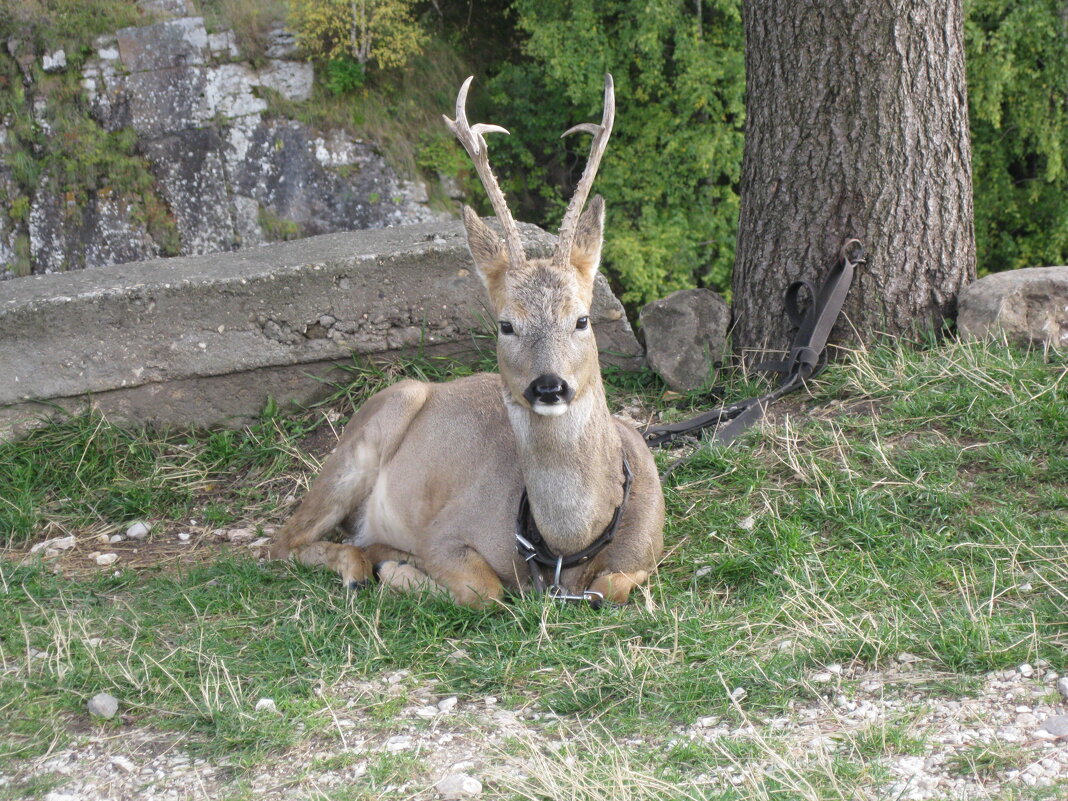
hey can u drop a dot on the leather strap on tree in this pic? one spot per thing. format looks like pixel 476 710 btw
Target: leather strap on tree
pixel 804 361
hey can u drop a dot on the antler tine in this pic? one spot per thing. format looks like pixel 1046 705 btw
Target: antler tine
pixel 601 133
pixel 471 137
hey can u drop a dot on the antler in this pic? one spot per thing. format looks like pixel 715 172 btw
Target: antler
pixel 470 137
pixel 562 254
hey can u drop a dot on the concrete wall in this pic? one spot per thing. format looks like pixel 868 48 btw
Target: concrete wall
pixel 205 340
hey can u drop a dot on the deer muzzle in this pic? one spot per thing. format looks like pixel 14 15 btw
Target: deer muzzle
pixel 549 395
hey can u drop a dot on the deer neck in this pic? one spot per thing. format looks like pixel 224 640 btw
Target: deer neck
pixel 572 467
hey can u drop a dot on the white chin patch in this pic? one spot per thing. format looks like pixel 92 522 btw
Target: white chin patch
pixel 549 409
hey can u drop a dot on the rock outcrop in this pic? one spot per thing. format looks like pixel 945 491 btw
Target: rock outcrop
pixel 226 172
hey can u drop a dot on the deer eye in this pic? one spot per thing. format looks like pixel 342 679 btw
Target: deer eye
pixel 582 323
pixel 506 327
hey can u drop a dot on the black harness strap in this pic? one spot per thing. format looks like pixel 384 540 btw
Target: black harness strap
pixel 804 361
pixel 540 558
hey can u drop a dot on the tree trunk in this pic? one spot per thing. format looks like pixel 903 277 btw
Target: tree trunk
pixel 856 126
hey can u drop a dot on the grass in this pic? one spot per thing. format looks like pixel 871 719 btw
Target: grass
pixel 914 502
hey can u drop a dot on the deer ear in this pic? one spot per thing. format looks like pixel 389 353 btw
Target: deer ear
pixel 589 234
pixel 489 254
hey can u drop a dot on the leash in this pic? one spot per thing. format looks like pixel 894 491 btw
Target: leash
pixel 805 359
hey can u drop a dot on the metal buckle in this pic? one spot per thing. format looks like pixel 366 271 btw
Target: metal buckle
pixel 558 593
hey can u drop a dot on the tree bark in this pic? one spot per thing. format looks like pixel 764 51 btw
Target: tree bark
pixel 856 126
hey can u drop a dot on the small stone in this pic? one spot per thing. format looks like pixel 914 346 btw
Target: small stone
pixel 138 531
pixel 94 642
pixel 106 559
pixel 400 742
pixel 183 536
pixel 836 669
pixel 124 763
pixel 445 705
pixel 702 571
pixel 1057 725
pixel 490 700
pixel 1026 670
pixel 1025 587
pixel 103 705
pixel 426 712
pixel 822 677
pixel 738 693
pixel 706 722
pixel 786 645
pixel 115 538
pixel 103 539
pixel 747 524
pixel 56 544
pixel 237 535
pixel 1062 687
pixel 56 61
pixel 458 785
pixel 266 705
pixel 906 658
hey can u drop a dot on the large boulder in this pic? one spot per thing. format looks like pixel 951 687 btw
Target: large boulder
pixel 685 334
pixel 1028 306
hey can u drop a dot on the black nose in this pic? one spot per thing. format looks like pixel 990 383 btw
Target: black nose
pixel 548 388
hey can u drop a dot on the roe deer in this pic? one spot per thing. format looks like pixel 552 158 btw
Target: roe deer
pixel 496 482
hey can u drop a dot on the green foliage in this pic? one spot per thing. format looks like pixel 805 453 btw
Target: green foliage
pixel 382 31
pixel 343 75
pixel 670 175
pixel 70 24
pixel 1018 91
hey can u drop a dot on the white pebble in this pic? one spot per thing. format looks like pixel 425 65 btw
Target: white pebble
pixel 447 704
pixel 458 785
pixel 266 705
pixel 103 705
pixel 1026 670
pixel 400 742
pixel 105 559
pixel 183 536
pixel 747 523
pixel 138 531
pixel 56 543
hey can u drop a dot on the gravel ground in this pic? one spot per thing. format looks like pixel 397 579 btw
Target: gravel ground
pixel 1000 730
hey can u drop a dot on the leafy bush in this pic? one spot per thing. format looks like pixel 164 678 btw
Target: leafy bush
pixel 382 31
pixel 343 75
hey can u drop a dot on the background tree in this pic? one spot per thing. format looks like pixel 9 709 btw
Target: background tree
pixel 382 31
pixel 1018 95
pixel 856 126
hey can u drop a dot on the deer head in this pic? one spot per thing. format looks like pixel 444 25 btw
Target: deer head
pixel 546 349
